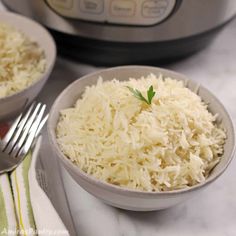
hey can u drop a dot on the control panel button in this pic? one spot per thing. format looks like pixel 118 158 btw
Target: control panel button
pixel 125 12
pixel 122 8
pixel 65 4
pixel 92 6
pixel 154 8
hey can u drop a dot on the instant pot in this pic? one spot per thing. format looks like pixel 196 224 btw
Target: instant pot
pixel 112 32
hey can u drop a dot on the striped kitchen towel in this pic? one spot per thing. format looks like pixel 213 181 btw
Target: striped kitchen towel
pixel 20 187
pixel 16 216
pixel 8 223
pixel 25 209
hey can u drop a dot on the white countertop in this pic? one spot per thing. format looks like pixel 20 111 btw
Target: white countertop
pixel 212 212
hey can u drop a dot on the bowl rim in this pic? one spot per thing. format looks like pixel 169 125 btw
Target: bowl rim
pixel 48 37
pixel 123 190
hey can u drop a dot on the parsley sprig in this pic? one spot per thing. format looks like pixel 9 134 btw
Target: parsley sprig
pixel 150 94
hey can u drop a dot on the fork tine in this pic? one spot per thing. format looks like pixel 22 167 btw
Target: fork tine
pixel 40 114
pixel 35 127
pixel 20 127
pixel 27 130
pixel 8 136
pixel 41 125
pixel 10 132
pixel 32 117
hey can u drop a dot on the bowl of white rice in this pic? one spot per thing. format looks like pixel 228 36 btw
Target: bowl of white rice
pixel 27 53
pixel 141 138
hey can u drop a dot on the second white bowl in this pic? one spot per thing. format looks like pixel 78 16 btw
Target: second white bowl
pixel 11 105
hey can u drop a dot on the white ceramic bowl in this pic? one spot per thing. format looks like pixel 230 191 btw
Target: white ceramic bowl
pixel 13 104
pixel 121 197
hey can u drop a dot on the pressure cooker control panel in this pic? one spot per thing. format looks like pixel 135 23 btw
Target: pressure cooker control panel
pixel 127 12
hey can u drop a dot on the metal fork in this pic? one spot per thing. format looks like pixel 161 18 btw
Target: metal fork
pixel 21 136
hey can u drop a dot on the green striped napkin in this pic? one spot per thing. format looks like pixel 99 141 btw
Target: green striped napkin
pixel 16 215
pixel 20 187
pixel 8 221
pixel 22 198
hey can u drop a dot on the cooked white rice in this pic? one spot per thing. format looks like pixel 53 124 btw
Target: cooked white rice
pixel 171 144
pixel 22 61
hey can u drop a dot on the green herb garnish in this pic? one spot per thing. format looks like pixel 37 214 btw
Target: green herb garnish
pixel 138 94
